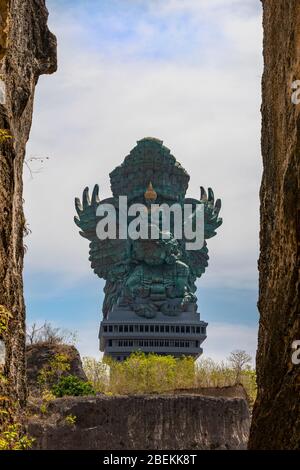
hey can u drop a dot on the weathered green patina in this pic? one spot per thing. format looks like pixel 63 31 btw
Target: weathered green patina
pixel 154 275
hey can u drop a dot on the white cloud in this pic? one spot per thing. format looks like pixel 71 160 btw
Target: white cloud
pixel 223 338
pixel 88 343
pixel 89 115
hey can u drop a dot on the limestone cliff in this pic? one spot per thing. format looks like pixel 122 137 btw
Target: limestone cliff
pixel 276 418
pixel 27 50
pixel 174 421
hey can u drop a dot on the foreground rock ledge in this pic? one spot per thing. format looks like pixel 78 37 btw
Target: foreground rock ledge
pixel 182 421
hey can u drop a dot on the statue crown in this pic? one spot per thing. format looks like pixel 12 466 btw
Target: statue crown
pixel 150 161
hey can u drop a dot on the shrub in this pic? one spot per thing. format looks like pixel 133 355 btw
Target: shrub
pixel 44 408
pixel 97 372
pixel 5 316
pixel 12 438
pixel 71 420
pixel 47 396
pixel 5 135
pixel 71 385
pixel 53 370
pixel 248 380
pixel 213 374
pixel 149 373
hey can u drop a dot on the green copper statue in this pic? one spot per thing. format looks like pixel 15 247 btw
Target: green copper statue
pixel 148 275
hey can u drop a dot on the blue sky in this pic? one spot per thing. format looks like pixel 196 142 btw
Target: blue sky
pixel 185 71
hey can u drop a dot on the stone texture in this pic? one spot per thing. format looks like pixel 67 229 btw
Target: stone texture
pixel 39 354
pixel 188 421
pixel 276 417
pixel 27 50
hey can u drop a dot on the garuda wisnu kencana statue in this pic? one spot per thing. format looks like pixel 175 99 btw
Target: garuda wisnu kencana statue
pixel 148 275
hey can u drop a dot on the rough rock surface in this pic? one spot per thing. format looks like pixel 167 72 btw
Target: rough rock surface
pixel 27 50
pixel 188 421
pixel 39 354
pixel 228 391
pixel 276 417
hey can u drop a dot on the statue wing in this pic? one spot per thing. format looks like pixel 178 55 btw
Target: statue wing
pixel 108 257
pixel 197 260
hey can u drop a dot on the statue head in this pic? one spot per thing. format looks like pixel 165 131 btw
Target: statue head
pixel 150 172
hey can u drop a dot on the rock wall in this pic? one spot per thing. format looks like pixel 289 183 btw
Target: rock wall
pixel 276 417
pixel 27 50
pixel 186 421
